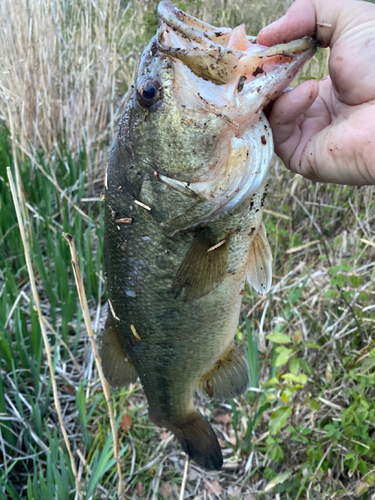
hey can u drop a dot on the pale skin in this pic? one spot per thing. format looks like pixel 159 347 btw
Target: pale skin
pixel 325 130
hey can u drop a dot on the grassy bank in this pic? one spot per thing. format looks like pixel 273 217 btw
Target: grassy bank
pixel 305 428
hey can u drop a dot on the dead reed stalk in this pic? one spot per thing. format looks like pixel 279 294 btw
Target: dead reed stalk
pixel 106 390
pixel 184 479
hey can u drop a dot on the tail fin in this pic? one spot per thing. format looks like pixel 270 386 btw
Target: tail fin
pixel 198 440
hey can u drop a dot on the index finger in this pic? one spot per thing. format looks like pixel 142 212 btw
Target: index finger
pixel 324 19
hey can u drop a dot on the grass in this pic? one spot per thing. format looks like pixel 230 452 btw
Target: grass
pixel 304 430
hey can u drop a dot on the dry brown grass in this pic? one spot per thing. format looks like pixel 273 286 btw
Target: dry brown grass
pixel 65 70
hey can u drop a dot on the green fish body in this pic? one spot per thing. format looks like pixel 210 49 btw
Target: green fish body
pixel 184 195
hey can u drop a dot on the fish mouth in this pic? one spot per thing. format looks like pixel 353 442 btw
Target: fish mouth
pixel 224 56
pixel 224 72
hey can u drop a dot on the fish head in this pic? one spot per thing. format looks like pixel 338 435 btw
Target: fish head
pixel 198 91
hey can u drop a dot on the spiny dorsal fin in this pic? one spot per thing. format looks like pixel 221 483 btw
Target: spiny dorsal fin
pixel 259 265
pixel 117 367
pixel 229 378
pixel 203 268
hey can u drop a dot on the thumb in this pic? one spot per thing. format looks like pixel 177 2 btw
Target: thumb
pixel 324 19
pixel 299 21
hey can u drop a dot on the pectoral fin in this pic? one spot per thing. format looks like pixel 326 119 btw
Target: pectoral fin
pixel 229 377
pixel 203 268
pixel 259 265
pixel 117 367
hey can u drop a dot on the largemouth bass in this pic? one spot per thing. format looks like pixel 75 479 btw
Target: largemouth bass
pixel 184 195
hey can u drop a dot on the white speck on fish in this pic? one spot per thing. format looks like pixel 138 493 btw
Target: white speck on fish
pixel 130 293
pixel 216 246
pixel 134 332
pixel 142 205
pixel 112 310
pixel 125 220
pixel 106 177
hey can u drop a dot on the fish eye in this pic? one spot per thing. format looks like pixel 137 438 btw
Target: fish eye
pixel 148 93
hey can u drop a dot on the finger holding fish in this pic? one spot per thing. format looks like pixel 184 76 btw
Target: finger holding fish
pixel 325 133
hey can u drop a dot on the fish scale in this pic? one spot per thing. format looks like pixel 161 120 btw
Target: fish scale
pixel 185 189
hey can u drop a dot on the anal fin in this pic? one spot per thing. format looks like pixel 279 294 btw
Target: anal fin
pixel 203 268
pixel 117 367
pixel 229 378
pixel 259 265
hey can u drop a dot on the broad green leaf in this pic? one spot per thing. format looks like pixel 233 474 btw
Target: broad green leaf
pixel 366 365
pixel 331 294
pixel 313 346
pixel 283 356
pixel 298 379
pixel 278 338
pixel 361 489
pixel 356 280
pixel 354 465
pixel 286 395
pixel 281 478
pixel 332 431
pixel 365 403
pixel 279 419
pixel 294 365
pixel 312 404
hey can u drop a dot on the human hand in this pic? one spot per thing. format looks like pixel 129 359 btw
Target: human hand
pixel 325 130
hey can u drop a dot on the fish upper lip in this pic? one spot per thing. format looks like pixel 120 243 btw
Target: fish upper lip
pixel 206 50
pixel 206 34
pixel 187 25
pixel 283 49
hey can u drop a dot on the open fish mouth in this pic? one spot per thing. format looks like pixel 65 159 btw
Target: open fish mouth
pixel 224 72
pixel 226 57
